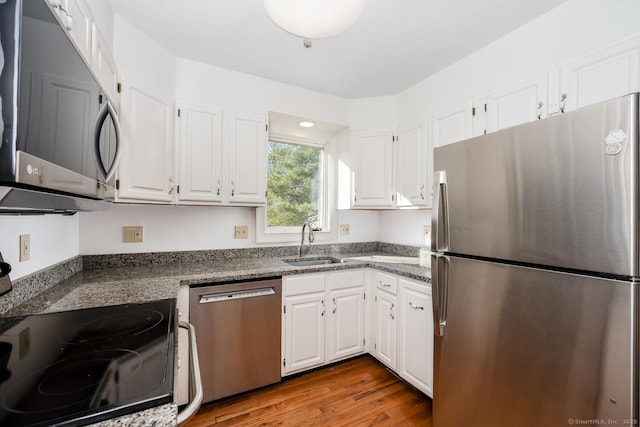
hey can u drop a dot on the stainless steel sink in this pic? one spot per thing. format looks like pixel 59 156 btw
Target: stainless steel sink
pixel 305 262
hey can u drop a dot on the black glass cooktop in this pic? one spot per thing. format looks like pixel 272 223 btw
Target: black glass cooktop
pixel 83 366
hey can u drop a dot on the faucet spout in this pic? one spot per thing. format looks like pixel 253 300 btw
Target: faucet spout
pixel 311 236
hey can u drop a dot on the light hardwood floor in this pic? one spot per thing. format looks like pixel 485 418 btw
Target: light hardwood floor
pixel 358 392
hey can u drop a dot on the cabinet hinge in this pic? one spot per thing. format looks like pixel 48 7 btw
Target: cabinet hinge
pixel 363 342
pixel 100 99
pixel 473 111
pixel 266 127
pixel 364 296
pixel 265 193
pixel 284 362
pixel 178 189
pixel 179 112
pixel 119 87
pixel 375 299
pixel 393 197
pixel 485 131
pixel 284 309
pixel 375 346
pixel 485 107
pixel 117 184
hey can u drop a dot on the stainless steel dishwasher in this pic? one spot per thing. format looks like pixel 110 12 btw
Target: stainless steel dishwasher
pixel 238 329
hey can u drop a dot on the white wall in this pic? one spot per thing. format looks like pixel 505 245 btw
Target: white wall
pixel 405 227
pixel 185 228
pixel 215 86
pixel 54 238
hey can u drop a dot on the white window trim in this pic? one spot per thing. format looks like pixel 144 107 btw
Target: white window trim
pixel 292 234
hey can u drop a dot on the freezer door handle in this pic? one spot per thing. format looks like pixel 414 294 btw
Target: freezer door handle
pixel 439 288
pixel 440 213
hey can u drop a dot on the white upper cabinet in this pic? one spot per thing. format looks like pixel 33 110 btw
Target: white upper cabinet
pixel 413 166
pixel 200 154
pixel 247 148
pixel 77 19
pixel 104 65
pixel 523 102
pixel 372 169
pixel 605 74
pixel 145 172
pixel 453 125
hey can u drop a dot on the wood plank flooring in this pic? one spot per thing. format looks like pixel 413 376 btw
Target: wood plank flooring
pixel 358 392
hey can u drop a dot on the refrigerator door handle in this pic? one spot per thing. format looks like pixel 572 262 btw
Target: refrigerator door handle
pixel 440 214
pixel 439 289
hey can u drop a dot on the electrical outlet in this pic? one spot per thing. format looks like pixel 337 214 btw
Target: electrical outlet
pixel 132 234
pixel 242 231
pixel 344 229
pixel 25 247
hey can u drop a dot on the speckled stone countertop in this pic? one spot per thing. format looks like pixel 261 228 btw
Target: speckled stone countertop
pixel 111 286
pixel 140 283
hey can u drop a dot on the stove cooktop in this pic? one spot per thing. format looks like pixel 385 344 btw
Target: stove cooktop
pixel 83 366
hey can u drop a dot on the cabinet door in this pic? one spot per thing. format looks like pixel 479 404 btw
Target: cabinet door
pixel 519 103
pixel 386 333
pixel 78 22
pixel 373 163
pixel 416 335
pixel 247 147
pixel 104 65
pixel 345 331
pixel 414 166
pixel 145 171
pixel 605 74
pixel 452 126
pixel 304 332
pixel 200 152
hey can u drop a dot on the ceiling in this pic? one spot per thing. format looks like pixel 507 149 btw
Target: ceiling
pixel 394 45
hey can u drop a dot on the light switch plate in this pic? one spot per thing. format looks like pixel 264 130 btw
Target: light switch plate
pixel 25 247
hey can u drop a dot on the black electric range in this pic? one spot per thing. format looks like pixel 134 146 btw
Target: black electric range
pixel 83 366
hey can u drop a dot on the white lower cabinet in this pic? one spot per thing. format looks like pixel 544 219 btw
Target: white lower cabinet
pixel 386 343
pixel 403 328
pixel 323 318
pixel 415 330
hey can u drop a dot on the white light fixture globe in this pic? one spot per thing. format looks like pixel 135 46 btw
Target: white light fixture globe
pixel 314 19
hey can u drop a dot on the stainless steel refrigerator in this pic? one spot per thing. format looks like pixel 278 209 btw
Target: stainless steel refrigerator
pixel 535 272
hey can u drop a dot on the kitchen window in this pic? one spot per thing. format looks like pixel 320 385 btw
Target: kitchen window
pixel 300 189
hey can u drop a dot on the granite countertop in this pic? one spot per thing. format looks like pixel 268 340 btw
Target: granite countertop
pixel 136 284
pixel 126 285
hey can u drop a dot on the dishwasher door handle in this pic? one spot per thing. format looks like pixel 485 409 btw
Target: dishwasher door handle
pixel 235 295
pixel 194 374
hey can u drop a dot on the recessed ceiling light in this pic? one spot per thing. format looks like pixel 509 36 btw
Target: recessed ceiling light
pixel 306 124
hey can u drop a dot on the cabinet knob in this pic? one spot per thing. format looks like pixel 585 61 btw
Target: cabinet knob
pixel 563 98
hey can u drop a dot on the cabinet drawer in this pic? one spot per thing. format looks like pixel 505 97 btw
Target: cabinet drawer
pixel 303 284
pixel 387 282
pixel 345 279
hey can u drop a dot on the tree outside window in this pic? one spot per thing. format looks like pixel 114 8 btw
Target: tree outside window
pixel 295 185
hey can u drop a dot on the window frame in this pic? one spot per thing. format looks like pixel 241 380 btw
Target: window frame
pixel 282 234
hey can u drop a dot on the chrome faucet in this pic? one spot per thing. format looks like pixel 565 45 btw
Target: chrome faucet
pixel 306 224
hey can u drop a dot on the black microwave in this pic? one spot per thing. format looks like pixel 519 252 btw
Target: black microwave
pixel 60 134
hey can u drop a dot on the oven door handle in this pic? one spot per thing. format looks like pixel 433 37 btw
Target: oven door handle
pixel 194 374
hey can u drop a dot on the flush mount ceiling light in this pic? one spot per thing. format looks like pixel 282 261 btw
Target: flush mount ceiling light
pixel 306 124
pixel 314 19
